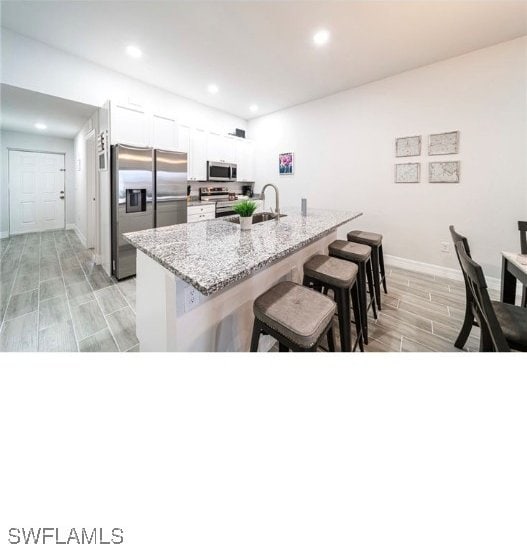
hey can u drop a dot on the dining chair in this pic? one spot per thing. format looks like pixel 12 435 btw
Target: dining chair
pixel 522 227
pixel 503 326
pixel 470 315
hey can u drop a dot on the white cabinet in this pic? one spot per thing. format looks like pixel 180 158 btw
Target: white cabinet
pixel 220 148
pixel 201 213
pixel 129 125
pixel 183 138
pixel 214 150
pixel 244 159
pixel 164 133
pixel 197 169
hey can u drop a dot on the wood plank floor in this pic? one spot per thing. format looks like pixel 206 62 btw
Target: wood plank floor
pixel 54 297
pixel 420 313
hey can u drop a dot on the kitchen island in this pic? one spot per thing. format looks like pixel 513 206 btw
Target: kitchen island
pixel 196 283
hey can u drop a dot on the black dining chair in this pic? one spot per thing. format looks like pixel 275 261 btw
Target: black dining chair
pixel 503 326
pixel 522 227
pixel 470 314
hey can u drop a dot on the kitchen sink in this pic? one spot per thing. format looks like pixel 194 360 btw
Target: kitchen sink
pixel 258 217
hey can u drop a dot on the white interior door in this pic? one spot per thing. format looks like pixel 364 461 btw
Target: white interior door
pixel 36 191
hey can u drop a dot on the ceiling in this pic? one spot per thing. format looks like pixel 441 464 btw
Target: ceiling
pixel 262 52
pixel 21 109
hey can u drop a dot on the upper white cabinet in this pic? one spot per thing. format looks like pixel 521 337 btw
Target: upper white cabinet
pixel 244 159
pixel 197 165
pixel 184 138
pixel 165 133
pixel 129 125
pixel 214 147
pixel 133 125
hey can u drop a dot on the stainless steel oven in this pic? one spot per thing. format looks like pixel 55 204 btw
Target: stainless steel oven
pixel 219 195
pixel 221 171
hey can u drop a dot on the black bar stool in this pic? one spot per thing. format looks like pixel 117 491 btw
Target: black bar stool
pixel 359 254
pixel 296 316
pixel 324 272
pixel 373 240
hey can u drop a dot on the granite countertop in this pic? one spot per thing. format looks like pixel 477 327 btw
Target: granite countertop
pixel 210 255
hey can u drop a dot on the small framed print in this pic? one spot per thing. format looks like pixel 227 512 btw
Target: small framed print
pixel 446 143
pixel 409 172
pixel 286 164
pixel 444 172
pixel 409 146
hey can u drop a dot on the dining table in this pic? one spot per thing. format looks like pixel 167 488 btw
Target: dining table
pixel 513 269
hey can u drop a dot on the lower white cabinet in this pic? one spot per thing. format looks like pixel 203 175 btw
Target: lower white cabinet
pixel 201 213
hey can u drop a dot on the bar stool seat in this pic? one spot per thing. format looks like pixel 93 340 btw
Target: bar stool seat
pixel 323 272
pixel 363 237
pixel 350 250
pixel 331 271
pixel 297 313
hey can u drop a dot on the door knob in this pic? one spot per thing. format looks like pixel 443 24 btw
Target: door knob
pixel 62 192
pixel 61 197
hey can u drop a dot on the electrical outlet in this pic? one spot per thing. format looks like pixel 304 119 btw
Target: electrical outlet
pixel 192 298
pixel 445 247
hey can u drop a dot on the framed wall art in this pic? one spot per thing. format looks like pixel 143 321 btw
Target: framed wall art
pixel 444 172
pixel 446 143
pixel 286 164
pixel 409 172
pixel 409 146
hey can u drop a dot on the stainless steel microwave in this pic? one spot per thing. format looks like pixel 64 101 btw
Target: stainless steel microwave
pixel 221 171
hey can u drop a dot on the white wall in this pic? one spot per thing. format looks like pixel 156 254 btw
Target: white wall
pixel 344 147
pixel 35 142
pixel 34 65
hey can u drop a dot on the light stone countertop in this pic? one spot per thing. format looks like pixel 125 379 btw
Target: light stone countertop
pixel 210 255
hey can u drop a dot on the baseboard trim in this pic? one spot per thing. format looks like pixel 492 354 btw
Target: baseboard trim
pixel 4 234
pixel 81 236
pixel 435 270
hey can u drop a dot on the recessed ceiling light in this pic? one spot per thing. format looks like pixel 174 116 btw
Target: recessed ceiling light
pixel 41 126
pixel 253 108
pixel 212 88
pixel 321 37
pixel 134 51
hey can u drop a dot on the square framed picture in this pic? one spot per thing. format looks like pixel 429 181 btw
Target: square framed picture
pixel 409 172
pixel 410 146
pixel 286 164
pixel 444 172
pixel 446 143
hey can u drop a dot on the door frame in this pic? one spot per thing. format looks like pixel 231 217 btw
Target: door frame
pixel 10 193
pixel 92 193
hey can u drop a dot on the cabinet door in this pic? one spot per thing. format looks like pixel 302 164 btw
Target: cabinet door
pixel 214 147
pixel 248 159
pixel 129 126
pixel 164 133
pixel 183 142
pixel 244 160
pixel 229 148
pixel 198 155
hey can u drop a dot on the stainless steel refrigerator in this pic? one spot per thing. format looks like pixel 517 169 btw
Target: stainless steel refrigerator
pixel 170 188
pixel 149 189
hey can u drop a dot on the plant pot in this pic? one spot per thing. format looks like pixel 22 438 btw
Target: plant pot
pixel 246 223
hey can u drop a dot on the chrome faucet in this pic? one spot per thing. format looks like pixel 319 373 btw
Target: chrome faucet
pixel 277 211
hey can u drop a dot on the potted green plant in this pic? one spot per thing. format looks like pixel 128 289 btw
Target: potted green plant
pixel 245 210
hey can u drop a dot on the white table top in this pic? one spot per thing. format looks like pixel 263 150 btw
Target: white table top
pixel 517 259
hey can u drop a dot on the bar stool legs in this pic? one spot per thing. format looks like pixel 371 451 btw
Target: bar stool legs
pixel 376 276
pixel 381 266
pixel 344 298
